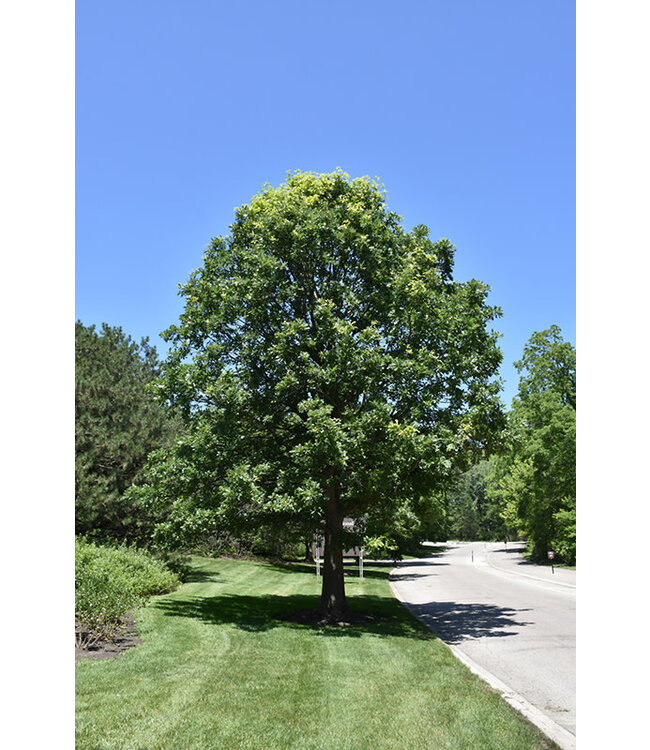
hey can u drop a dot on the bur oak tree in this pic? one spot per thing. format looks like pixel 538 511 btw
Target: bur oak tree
pixel 328 366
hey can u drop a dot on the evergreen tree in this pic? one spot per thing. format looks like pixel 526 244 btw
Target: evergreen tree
pixel 118 423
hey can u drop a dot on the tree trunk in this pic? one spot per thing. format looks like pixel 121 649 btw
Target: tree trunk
pixel 309 554
pixel 332 603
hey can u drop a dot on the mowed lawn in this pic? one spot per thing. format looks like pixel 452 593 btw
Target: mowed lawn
pixel 218 670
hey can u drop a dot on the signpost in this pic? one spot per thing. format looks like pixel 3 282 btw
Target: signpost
pixel 551 555
pixel 318 548
pixel 317 559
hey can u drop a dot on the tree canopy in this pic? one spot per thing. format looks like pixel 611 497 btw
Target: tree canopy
pixel 328 366
pixel 118 423
pixel 536 479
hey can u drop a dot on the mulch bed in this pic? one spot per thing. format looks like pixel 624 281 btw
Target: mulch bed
pixel 127 638
pixel 315 617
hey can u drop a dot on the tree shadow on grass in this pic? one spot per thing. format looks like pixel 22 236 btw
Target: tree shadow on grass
pixel 261 613
pixel 371 569
pixel 350 569
pixel 196 575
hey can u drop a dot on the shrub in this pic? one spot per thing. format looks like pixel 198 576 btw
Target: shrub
pixel 381 547
pixel 565 535
pixel 109 581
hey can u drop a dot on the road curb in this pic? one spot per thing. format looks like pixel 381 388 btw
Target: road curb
pixel 561 736
pixel 518 574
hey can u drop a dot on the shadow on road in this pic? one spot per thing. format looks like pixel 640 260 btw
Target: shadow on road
pixel 410 576
pixel 430 562
pixel 454 622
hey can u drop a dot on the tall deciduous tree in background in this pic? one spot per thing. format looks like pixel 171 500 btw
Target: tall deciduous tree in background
pixel 328 365
pixel 473 514
pixel 536 479
pixel 117 424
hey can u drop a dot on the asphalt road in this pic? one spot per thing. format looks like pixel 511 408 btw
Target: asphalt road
pixel 514 620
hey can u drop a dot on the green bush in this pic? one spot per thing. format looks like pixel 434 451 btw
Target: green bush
pixel 564 542
pixel 109 581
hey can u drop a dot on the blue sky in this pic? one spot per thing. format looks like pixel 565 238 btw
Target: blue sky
pixel 465 110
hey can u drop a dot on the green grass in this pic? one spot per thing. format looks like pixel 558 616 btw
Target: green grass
pixel 218 671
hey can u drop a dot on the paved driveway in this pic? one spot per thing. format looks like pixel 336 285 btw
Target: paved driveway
pixel 511 620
